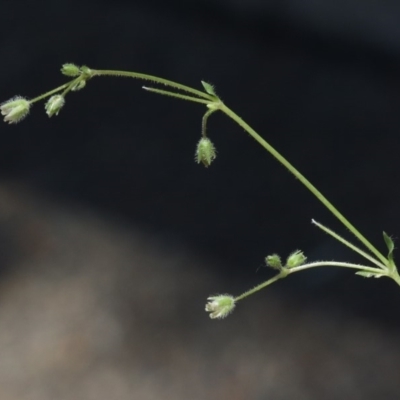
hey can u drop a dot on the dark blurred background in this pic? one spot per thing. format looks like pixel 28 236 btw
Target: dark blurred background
pixel 319 81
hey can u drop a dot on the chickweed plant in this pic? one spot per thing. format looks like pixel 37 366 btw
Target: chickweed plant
pixel 219 306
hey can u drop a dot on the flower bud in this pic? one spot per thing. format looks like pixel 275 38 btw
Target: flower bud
pixel 296 259
pixel 274 261
pixel 220 306
pixel 70 70
pixel 15 109
pixel 86 71
pixel 54 105
pixel 78 86
pixel 205 152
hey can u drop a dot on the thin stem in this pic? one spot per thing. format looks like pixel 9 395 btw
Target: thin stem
pixel 348 244
pixel 204 121
pixel 261 286
pixel 146 77
pixel 56 90
pixel 286 271
pixel 174 94
pixel 211 100
pixel 336 264
pixel 304 181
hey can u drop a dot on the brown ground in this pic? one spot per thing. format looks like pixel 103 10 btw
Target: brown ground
pixel 91 309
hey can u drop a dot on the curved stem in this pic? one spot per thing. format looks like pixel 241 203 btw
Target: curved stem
pixel 151 78
pixel 349 245
pixel 304 181
pixel 286 271
pixel 174 94
pixel 204 121
pixel 336 264
pixel 212 100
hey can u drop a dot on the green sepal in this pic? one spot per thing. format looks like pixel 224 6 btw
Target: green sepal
pixel 366 274
pixel 209 88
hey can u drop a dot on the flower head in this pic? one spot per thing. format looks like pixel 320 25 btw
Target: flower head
pixel 205 152
pixel 220 306
pixel 15 109
pixel 54 104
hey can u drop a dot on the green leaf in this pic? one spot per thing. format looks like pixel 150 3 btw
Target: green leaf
pixel 209 88
pixel 389 244
pixel 369 274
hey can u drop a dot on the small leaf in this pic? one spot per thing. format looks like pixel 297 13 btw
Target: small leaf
pixel 209 88
pixel 389 244
pixel 369 274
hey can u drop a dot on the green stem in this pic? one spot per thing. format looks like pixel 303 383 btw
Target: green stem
pixel 337 264
pixel 303 180
pixel 204 122
pixel 56 90
pixel 281 275
pixel 215 103
pixel 349 245
pixel 285 272
pixel 177 95
pixel 151 78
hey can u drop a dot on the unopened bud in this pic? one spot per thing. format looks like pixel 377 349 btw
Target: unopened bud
pixel 78 86
pixel 70 70
pixel 54 105
pixel 15 109
pixel 205 152
pixel 86 71
pixel 274 261
pixel 220 306
pixel 296 259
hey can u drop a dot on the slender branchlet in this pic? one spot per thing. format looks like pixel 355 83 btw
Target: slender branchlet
pixel 219 306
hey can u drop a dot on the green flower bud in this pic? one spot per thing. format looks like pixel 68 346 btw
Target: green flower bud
pixel 220 306
pixel 15 109
pixel 78 86
pixel 70 70
pixel 274 261
pixel 86 70
pixel 205 152
pixel 296 259
pixel 54 105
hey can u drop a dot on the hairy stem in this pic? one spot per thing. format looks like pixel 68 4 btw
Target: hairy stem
pixel 349 245
pixel 151 78
pixel 304 181
pixel 286 271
